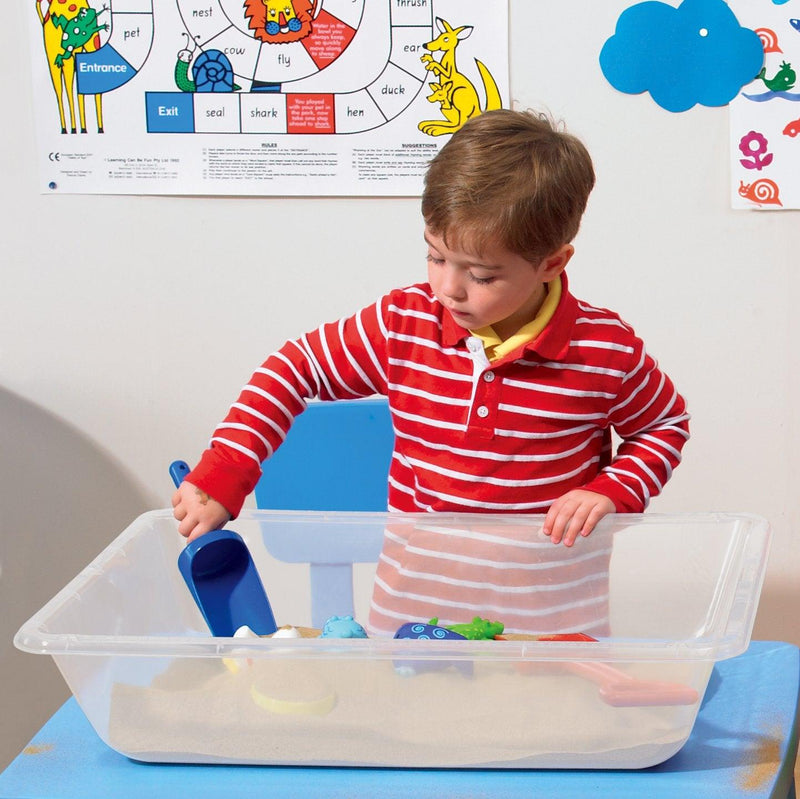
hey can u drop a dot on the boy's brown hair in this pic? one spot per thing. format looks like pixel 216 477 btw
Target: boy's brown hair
pixel 508 178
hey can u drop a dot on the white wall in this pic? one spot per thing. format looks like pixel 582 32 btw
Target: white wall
pixel 127 324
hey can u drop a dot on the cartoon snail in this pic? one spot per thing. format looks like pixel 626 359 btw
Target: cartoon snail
pixel 212 70
pixel 763 192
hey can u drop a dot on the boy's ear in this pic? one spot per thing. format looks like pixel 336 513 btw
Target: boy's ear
pixel 555 263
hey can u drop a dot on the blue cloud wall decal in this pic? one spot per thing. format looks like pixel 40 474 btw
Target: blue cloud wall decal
pixel 697 53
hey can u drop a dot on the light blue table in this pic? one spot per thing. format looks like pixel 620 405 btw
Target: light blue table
pixel 744 744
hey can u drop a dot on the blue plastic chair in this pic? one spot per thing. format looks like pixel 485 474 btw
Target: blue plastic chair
pixel 335 458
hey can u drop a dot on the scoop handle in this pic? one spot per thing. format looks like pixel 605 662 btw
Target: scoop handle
pixel 177 471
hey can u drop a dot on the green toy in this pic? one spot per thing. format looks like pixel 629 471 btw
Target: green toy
pixel 477 630
pixel 783 80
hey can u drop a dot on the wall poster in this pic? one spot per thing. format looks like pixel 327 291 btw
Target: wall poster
pixel 258 97
pixel 765 116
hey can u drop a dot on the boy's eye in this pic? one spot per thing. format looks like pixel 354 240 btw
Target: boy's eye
pixel 433 259
pixel 482 281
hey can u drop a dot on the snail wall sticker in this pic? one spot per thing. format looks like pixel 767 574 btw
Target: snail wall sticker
pixel 675 54
pixel 769 40
pixel 762 192
pixel 211 70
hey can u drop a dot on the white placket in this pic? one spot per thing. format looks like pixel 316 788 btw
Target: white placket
pixel 480 363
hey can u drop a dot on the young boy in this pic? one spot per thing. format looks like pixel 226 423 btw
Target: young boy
pixel 503 388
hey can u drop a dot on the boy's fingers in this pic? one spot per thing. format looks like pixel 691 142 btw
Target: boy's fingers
pixel 550 523
pixel 574 526
pixel 572 521
pixel 561 521
pixel 571 531
pixel 199 529
pixel 591 521
pixel 600 510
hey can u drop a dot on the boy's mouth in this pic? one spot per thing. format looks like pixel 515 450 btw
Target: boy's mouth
pixel 459 314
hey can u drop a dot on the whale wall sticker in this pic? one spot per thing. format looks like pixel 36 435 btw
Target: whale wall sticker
pixel 694 54
pixel 779 85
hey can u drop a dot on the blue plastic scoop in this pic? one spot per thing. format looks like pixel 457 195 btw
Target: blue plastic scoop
pixel 221 576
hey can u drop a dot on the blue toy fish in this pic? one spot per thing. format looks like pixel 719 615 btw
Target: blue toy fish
pixel 429 632
pixel 342 627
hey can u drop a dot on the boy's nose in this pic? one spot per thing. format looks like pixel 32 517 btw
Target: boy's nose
pixel 453 283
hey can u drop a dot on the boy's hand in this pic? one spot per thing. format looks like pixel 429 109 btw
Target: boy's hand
pixel 196 511
pixel 575 513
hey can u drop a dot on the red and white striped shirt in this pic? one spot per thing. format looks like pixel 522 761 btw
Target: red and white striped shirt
pixel 504 570
pixel 507 436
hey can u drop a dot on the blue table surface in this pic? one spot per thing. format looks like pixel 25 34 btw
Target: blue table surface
pixel 743 744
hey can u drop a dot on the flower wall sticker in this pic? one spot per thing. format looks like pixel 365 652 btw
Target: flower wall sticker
pixel 754 147
pixel 695 54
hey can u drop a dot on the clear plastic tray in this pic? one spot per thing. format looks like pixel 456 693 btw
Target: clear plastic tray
pixel 664 597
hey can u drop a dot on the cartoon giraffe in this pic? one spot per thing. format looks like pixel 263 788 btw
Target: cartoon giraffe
pixel 60 60
pixel 456 94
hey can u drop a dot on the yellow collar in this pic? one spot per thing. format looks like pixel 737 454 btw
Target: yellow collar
pixel 496 348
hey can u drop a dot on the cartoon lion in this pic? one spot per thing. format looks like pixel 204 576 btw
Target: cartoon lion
pixel 280 21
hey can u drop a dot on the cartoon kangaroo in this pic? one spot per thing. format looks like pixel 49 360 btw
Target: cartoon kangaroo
pixel 455 93
pixel 59 61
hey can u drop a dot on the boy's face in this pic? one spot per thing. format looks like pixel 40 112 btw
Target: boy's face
pixel 497 287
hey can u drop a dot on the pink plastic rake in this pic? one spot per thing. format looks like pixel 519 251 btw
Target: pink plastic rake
pixel 618 688
pixel 621 690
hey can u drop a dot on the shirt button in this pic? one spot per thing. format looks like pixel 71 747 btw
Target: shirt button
pixel 483 411
pixel 488 376
pixel 474 344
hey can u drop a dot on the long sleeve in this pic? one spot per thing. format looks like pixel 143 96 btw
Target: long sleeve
pixel 650 417
pixel 339 360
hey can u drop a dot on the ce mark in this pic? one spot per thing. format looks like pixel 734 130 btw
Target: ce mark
pixel 54 156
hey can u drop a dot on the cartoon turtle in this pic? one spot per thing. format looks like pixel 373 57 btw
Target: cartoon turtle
pixel 78 31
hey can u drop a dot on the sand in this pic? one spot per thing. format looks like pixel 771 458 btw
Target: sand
pixel 198 711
